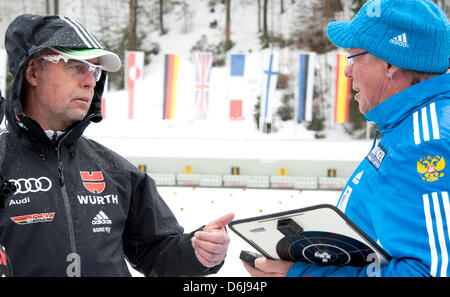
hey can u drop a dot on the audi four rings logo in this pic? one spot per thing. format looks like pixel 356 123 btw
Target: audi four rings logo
pixel 32 185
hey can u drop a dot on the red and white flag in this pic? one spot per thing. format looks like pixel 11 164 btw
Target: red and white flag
pixel 134 62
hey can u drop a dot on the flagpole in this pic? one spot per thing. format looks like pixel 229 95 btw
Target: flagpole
pixel 271 52
pixel 296 93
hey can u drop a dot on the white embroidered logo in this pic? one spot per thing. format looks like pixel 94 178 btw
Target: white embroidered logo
pixel 400 40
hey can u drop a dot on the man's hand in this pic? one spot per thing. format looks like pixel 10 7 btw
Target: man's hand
pixel 269 268
pixel 211 244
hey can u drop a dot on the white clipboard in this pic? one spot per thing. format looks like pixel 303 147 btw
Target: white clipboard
pixel 320 234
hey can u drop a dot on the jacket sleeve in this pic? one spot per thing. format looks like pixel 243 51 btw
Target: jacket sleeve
pixel 5 264
pixel 396 267
pixel 409 212
pixel 153 240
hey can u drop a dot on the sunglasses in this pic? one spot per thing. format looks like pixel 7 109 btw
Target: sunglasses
pixel 80 67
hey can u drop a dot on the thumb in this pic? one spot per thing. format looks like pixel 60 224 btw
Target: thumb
pixel 220 222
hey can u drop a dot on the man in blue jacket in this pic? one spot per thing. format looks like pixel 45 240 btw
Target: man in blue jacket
pixel 399 195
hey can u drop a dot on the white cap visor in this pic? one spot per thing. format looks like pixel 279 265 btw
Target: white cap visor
pixel 108 60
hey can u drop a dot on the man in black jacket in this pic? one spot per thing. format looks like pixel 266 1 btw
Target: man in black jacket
pixel 79 208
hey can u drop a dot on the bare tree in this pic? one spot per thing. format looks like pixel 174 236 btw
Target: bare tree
pixel 132 43
pixel 227 25
pixel 56 7
pixel 47 7
pixel 161 14
pixel 259 15
pixel 266 3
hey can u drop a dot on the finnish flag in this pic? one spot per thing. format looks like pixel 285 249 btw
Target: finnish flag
pixel 269 83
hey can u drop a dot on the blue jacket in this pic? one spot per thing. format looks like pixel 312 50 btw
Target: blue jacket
pixel 399 194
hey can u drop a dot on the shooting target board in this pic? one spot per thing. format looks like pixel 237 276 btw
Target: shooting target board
pixel 320 234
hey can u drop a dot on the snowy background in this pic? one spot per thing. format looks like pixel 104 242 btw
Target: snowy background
pixel 147 136
pixel 186 23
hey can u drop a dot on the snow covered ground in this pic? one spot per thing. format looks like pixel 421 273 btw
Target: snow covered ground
pixel 195 207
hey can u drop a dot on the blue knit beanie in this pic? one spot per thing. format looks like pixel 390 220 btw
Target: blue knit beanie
pixel 410 34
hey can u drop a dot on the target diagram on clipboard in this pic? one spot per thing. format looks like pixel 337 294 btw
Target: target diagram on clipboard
pixel 320 234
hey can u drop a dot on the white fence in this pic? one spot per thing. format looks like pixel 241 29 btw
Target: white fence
pixel 249 181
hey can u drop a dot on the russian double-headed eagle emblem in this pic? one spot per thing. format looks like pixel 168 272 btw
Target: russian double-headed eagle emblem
pixel 430 168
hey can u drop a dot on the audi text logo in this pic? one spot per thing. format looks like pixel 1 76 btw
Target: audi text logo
pixel 32 185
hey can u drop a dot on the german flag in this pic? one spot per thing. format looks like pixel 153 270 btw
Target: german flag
pixel 343 85
pixel 170 84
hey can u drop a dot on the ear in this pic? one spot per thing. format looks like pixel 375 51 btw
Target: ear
pixel 32 72
pixel 392 71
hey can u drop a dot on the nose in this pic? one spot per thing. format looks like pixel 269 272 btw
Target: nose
pixel 348 72
pixel 88 81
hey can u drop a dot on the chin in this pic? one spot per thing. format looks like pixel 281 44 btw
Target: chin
pixel 362 109
pixel 79 116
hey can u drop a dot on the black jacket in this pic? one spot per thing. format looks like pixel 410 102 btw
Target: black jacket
pixel 79 208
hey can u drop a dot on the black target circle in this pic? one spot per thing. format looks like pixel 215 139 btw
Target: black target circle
pixel 324 248
pixel 324 254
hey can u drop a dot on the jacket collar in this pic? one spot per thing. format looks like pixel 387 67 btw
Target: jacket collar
pixel 396 108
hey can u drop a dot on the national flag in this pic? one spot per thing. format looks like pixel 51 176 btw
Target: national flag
pixel 342 96
pixel 203 65
pixel 237 64
pixel 235 110
pixel 104 96
pixel 171 64
pixel 270 64
pixel 305 87
pixel 133 74
pixel 236 85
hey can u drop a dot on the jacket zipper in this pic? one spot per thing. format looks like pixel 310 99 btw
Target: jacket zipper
pixel 68 211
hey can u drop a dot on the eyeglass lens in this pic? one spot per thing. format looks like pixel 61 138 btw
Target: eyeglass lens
pixel 350 58
pixel 83 68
